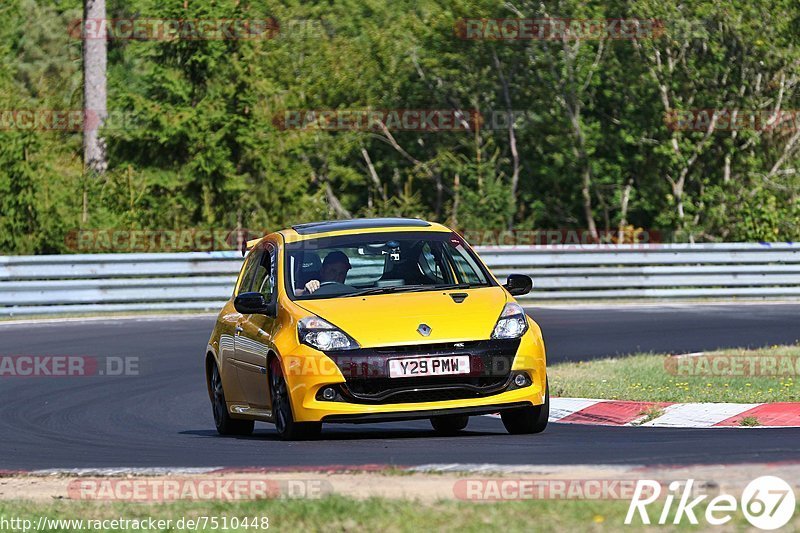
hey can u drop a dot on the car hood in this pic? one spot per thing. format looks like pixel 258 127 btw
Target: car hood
pixel 393 319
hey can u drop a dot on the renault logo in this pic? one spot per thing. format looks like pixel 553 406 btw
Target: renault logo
pixel 424 330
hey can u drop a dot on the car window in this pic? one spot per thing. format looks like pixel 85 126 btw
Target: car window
pixel 466 267
pixel 259 272
pixel 248 269
pixel 378 263
pixel 264 276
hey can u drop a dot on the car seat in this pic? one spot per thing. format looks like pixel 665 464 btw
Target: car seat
pixel 308 266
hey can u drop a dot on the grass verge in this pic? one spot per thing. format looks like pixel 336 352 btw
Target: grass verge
pixel 722 376
pixel 336 513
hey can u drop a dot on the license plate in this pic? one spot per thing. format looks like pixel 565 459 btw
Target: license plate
pixel 429 366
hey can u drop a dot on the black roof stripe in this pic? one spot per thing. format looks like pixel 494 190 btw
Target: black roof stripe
pixel 358 223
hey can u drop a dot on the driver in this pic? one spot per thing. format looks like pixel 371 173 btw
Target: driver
pixel 334 270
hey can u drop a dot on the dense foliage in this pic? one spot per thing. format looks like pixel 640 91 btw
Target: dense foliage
pixel 195 143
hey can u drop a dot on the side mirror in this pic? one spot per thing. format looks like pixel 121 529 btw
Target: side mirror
pixel 254 303
pixel 518 284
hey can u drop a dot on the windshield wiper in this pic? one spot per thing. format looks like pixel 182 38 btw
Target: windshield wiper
pixel 385 290
pixel 450 286
pixel 411 288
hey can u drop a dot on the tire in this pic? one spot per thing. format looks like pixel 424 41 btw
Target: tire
pixel 527 420
pixel 282 416
pixel 449 424
pixel 222 418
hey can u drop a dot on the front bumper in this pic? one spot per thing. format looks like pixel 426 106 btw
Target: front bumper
pixel 396 416
pixel 308 371
pixel 346 412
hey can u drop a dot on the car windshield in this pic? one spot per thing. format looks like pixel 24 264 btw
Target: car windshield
pixel 378 263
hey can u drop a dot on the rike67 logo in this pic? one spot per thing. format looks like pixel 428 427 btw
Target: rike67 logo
pixel 767 503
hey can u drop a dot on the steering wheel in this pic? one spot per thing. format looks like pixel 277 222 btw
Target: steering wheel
pixel 332 287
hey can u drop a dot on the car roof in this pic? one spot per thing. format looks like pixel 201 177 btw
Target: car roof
pixel 313 230
pixel 357 223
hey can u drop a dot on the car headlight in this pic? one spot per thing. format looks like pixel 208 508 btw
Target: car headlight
pixel 512 323
pixel 323 335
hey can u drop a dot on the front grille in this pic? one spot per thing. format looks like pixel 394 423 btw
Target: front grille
pixel 367 379
pixel 374 386
pixel 421 389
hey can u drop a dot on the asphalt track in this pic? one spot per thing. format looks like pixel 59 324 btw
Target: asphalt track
pixel 162 417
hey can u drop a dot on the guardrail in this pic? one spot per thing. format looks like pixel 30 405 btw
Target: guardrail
pixel 203 280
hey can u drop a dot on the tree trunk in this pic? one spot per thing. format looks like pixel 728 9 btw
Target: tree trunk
pixel 334 202
pixel 586 194
pixel 623 220
pixel 512 140
pixel 95 109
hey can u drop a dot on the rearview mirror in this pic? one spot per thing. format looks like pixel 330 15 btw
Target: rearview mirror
pixel 254 303
pixel 518 284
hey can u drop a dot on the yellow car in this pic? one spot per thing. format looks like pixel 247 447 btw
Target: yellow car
pixel 373 320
